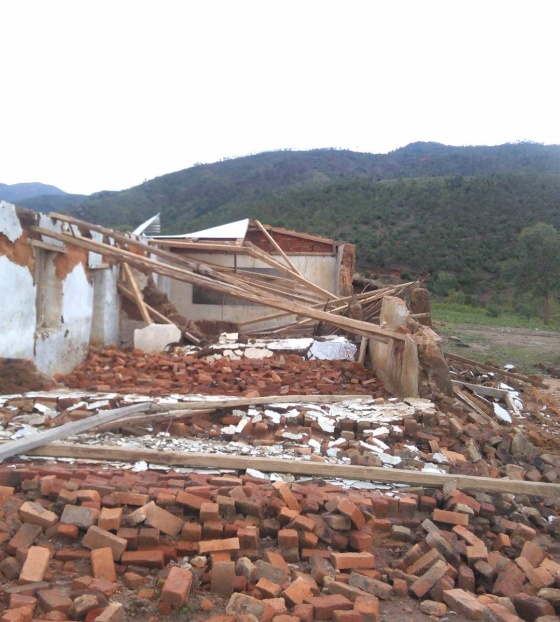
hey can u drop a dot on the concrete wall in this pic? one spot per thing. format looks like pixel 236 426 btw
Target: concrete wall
pixel 319 269
pixel 48 304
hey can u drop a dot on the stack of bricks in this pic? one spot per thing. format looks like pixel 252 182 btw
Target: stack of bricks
pixel 159 374
pixel 73 539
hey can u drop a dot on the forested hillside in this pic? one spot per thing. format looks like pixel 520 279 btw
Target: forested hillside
pixel 420 209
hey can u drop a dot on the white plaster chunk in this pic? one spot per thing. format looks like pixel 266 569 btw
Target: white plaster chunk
pixel 9 222
pixel 156 337
pixel 501 413
pixel 258 353
pixel 292 436
pixel 296 344
pixel 241 426
pixel 325 425
pixel 377 432
pixel 333 351
pixel 432 468
pixel 388 459
pixel 257 474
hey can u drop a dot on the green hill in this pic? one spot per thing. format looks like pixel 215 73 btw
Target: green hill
pixel 423 208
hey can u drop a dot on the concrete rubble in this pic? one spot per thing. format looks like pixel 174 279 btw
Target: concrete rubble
pixel 83 540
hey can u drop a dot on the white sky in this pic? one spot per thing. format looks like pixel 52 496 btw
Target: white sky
pixel 101 95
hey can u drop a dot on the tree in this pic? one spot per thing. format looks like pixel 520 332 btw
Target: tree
pixel 537 267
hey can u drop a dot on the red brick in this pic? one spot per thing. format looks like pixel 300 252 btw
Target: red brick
pixel 97 538
pixel 425 583
pixel 54 599
pixel 240 604
pixel 424 563
pixel 209 512
pixel 191 532
pixel 23 613
pixel 284 491
pixel 209 546
pixel 177 587
pixel 110 519
pixel 325 606
pixel 288 538
pixel 113 613
pixel 79 515
pixel 146 559
pixel 24 537
pixel 368 608
pixel 345 616
pixel 531 607
pixel 193 502
pixel 533 553
pixel 36 565
pixel 464 603
pixel 450 518
pixel 35 514
pixel 132 498
pixel 360 540
pixel 466 579
pixel 349 509
pixel 297 592
pixel 103 565
pixel 467 535
pixel 501 541
pixel 268 588
pixel 509 581
pixel 380 589
pixel 223 576
pixel 64 533
pixel 352 561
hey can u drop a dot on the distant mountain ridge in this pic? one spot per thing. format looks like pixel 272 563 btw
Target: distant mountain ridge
pixel 15 193
pixel 426 207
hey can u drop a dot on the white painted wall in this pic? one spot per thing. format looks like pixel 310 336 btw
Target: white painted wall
pixel 319 269
pixel 105 328
pixel 17 310
pixel 60 350
pixel 61 342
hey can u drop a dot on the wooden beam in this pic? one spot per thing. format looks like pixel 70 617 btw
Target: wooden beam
pixel 137 294
pixel 496 370
pixel 23 445
pixel 297 467
pixel 199 246
pixel 153 312
pixel 277 247
pixel 469 401
pixel 257 253
pixel 354 326
pixel 45 246
pixel 239 402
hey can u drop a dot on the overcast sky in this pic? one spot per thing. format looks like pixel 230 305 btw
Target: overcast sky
pixel 102 95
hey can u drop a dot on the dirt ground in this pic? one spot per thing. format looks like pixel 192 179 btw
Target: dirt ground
pixel 494 341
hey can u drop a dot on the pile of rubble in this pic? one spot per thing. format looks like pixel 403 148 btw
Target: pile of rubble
pixel 233 369
pixel 100 544
pixel 360 501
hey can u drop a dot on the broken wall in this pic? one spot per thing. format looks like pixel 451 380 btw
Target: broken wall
pixel 321 269
pixel 47 304
pixel 396 362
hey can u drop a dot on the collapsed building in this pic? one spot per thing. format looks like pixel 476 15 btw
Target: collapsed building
pixel 248 435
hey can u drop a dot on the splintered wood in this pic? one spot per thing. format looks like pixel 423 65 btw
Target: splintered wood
pixel 301 298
